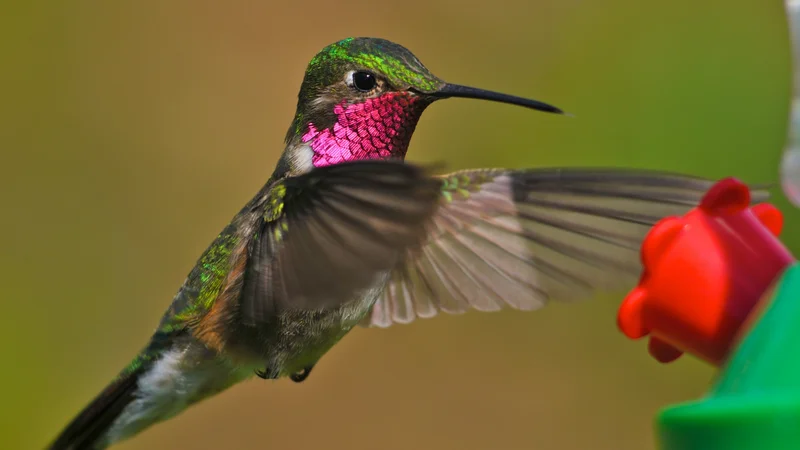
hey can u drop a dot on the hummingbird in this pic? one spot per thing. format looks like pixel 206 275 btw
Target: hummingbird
pixel 345 233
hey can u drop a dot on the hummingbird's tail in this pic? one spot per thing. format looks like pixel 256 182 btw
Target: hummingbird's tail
pixel 88 429
pixel 167 377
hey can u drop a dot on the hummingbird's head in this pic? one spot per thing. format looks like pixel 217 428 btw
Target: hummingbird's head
pixel 361 98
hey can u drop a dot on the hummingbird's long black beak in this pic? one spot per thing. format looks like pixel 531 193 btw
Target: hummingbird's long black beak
pixel 456 90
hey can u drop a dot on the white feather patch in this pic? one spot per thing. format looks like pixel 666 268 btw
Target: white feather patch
pixel 181 377
pixel 301 158
pixel 161 392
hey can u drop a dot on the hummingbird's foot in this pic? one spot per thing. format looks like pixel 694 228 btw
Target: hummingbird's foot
pixel 299 377
pixel 267 374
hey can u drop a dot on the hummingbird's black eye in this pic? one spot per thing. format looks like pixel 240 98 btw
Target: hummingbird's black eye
pixel 364 81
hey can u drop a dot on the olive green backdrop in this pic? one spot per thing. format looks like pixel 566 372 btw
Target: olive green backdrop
pixel 131 132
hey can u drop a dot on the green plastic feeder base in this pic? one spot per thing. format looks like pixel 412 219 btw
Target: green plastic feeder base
pixel 755 403
pixel 754 422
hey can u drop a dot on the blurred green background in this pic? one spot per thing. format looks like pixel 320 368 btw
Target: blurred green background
pixel 131 132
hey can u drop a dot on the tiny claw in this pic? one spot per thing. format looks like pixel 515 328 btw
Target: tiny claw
pixel 266 374
pixel 299 377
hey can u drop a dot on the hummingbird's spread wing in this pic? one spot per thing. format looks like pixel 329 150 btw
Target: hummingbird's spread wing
pixel 507 238
pixel 328 234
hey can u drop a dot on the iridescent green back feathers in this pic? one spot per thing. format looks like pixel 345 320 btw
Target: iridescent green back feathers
pixel 203 285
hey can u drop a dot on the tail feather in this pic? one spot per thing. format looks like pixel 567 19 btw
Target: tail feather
pixel 87 430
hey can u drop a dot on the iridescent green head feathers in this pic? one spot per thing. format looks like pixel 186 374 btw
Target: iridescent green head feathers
pixel 390 62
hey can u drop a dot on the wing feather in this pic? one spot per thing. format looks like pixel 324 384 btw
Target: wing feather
pixel 521 238
pixel 334 232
